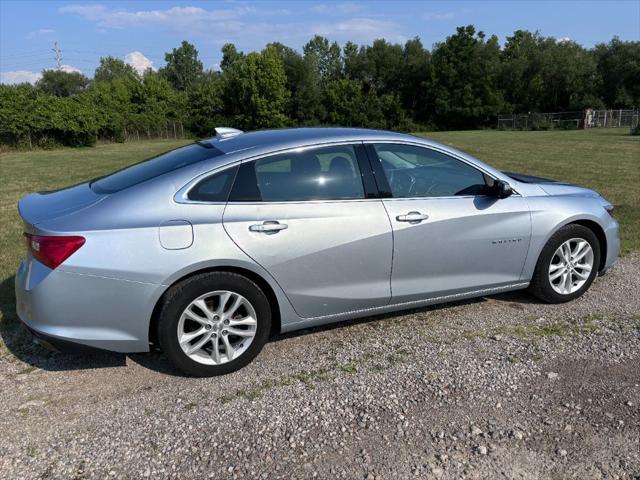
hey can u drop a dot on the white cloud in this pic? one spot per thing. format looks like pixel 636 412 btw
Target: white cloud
pixel 175 17
pixel 138 61
pixel 360 30
pixel 90 12
pixel 19 76
pixel 70 69
pixel 337 9
pixel 564 39
pixel 247 27
pixel 43 32
pixel 439 16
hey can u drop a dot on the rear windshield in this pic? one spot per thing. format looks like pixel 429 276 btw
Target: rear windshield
pixel 154 167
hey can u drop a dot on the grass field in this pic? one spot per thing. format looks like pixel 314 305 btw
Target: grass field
pixel 605 160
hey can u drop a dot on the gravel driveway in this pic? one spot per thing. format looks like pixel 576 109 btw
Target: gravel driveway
pixel 497 387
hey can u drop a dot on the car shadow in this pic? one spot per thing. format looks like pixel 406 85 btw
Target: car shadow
pixel 21 344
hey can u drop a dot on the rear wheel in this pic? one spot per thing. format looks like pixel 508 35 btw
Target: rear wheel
pixel 567 265
pixel 214 323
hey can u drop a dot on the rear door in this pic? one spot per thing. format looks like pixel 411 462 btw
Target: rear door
pixel 310 218
pixel 450 234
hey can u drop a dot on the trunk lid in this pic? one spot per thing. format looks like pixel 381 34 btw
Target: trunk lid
pixel 38 207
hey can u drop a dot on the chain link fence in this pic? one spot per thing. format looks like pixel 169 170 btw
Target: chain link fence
pixel 618 118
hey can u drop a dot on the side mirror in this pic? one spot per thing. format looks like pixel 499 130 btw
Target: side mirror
pixel 502 189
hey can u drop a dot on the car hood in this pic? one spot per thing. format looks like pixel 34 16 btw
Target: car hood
pixel 38 207
pixel 553 187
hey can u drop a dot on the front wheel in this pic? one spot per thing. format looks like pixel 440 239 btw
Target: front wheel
pixel 214 323
pixel 567 265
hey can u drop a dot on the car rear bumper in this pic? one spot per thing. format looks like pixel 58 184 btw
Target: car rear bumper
pixel 64 309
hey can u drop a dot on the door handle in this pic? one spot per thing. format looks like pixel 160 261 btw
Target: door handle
pixel 270 226
pixel 412 217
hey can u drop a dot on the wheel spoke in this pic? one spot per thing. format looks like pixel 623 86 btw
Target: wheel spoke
pixel 557 274
pixel 237 303
pixel 191 315
pixel 229 349
pixel 187 337
pixel 567 282
pixel 215 353
pixel 224 298
pixel 582 275
pixel 582 253
pixel 240 333
pixel 555 266
pixel 249 321
pixel 199 344
pixel 202 305
pixel 578 248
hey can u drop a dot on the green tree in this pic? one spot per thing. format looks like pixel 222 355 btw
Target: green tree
pixel 205 105
pixel 465 80
pixel 385 64
pixel 183 68
pixel 414 82
pixel 325 56
pixel 304 106
pixel 111 67
pixel 521 74
pixel 255 90
pixel 61 83
pixel 618 65
pixel 229 55
pixel 570 78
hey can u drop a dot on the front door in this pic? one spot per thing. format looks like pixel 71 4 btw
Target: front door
pixel 450 235
pixel 304 216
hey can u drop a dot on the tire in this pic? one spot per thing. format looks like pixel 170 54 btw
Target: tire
pixel 542 285
pixel 176 323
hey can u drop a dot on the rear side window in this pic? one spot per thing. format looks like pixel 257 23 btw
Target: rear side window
pixel 325 173
pixel 154 167
pixel 214 188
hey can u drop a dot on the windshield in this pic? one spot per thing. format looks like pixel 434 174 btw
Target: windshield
pixel 154 167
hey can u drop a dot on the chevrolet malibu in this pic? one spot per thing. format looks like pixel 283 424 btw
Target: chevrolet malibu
pixel 206 250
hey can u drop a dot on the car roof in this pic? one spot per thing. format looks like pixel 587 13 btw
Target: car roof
pixel 280 139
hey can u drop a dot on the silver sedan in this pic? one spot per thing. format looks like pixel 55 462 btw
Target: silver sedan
pixel 206 250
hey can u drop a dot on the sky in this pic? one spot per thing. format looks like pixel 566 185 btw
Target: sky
pixel 140 32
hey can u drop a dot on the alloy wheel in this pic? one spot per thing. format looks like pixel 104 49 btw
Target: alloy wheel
pixel 571 265
pixel 217 327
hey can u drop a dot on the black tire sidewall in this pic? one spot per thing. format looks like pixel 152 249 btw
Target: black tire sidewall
pixel 182 294
pixel 542 285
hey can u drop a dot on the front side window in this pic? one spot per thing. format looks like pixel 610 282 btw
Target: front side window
pixel 325 173
pixel 421 172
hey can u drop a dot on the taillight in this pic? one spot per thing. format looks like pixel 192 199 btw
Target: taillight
pixel 52 251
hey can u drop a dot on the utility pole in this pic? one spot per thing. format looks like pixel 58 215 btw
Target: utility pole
pixel 58 55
